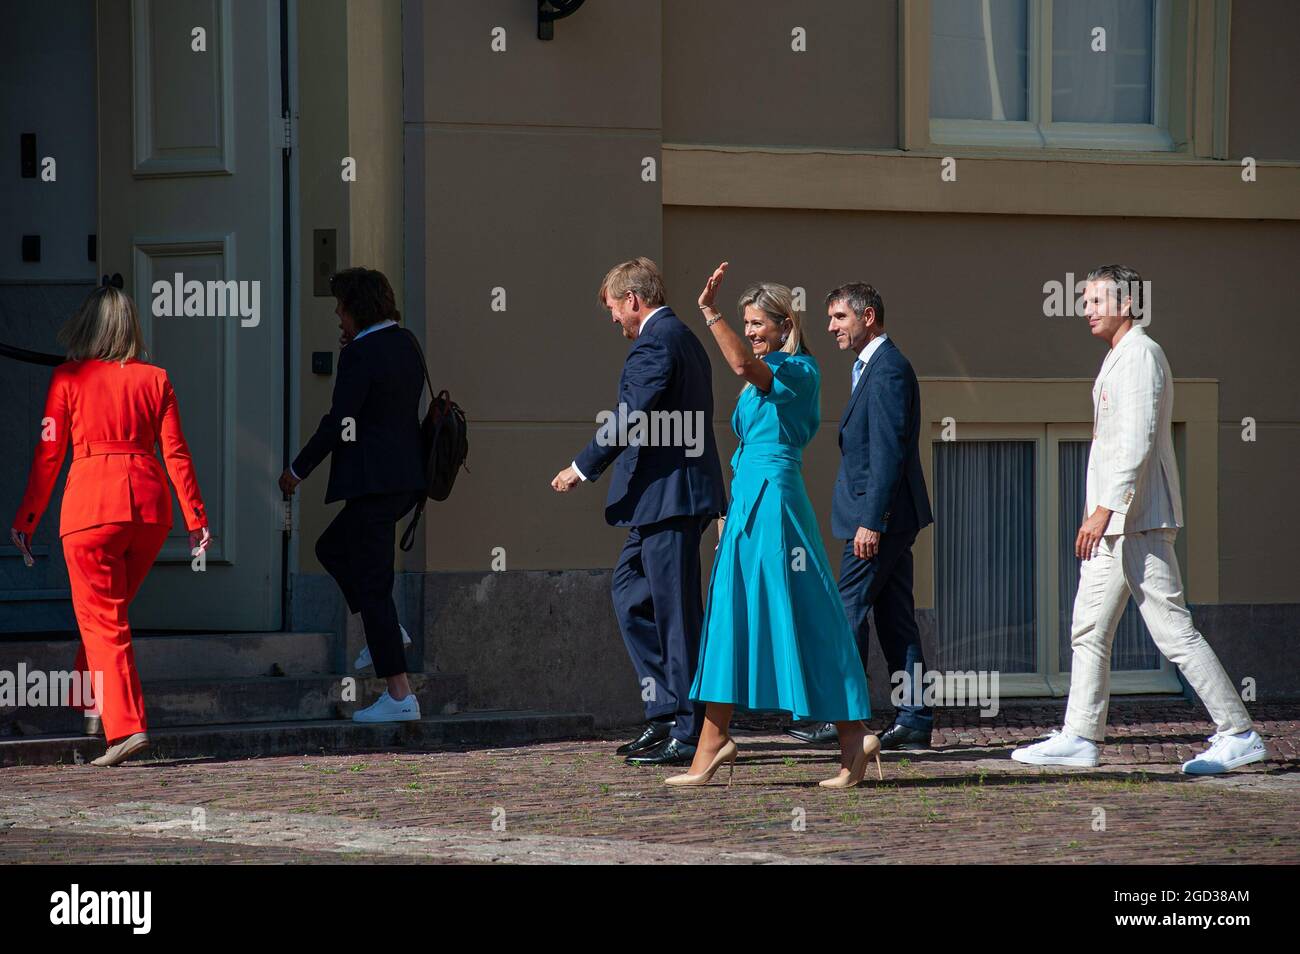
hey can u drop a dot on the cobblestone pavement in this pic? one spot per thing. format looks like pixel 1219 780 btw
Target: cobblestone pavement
pixel 575 801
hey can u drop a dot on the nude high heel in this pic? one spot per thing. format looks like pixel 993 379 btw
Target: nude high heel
pixel 870 747
pixel 725 754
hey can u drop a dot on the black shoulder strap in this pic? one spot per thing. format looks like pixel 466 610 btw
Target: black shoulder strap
pixel 420 351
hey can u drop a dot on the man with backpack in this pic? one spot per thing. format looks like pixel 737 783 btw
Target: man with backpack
pixel 371 434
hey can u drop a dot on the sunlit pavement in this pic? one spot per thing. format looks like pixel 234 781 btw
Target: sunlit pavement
pixel 575 802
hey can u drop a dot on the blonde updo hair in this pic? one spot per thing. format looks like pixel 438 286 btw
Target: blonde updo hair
pixel 777 303
pixel 106 328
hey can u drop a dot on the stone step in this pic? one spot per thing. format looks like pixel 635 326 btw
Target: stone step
pixel 198 702
pixel 480 728
pixel 194 656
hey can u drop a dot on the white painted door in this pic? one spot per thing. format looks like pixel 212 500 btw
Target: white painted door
pixel 190 184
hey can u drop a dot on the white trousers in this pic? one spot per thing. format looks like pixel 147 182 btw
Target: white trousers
pixel 1144 565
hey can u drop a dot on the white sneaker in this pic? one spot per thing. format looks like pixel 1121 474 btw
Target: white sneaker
pixel 1059 749
pixel 1227 752
pixel 388 709
pixel 365 662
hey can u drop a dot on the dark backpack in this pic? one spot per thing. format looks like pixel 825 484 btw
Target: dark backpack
pixel 444 436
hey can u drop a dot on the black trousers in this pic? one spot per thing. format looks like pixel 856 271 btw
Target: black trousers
pixel 884 583
pixel 357 550
pixel 660 610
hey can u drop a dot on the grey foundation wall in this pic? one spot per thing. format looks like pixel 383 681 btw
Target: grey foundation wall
pixel 549 640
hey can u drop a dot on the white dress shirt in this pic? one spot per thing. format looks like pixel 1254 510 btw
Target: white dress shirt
pixel 865 354
pixel 639 328
pixel 377 326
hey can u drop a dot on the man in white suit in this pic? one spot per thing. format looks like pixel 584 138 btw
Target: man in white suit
pixel 1126 543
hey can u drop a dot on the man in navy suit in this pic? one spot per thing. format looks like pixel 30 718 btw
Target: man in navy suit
pixel 666 493
pixel 880 505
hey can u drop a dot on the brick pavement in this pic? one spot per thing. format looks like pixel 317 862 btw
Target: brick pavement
pixel 575 801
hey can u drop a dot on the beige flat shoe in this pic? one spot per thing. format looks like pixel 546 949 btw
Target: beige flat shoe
pixel 123 750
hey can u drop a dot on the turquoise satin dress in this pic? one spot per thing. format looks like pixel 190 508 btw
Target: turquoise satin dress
pixel 775 637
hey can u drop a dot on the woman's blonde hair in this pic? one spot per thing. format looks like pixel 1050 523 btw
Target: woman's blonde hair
pixel 106 327
pixel 777 303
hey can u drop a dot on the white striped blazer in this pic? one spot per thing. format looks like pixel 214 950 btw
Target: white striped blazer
pixel 1131 466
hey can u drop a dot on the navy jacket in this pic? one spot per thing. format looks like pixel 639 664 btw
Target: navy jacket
pixel 667 369
pixel 378 386
pixel 880 484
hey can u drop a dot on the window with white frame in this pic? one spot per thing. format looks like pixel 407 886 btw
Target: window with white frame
pixel 1132 649
pixel 986 555
pixel 1081 74
pixel 1008 501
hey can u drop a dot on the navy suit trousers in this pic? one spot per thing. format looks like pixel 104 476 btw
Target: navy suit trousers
pixel 660 610
pixel 884 583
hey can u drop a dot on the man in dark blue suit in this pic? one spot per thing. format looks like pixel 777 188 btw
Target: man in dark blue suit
pixel 666 492
pixel 880 505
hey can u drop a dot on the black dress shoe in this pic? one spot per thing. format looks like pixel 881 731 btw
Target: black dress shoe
pixel 653 734
pixel 901 738
pixel 669 752
pixel 815 732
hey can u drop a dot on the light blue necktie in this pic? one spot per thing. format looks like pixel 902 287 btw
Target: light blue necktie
pixel 857 373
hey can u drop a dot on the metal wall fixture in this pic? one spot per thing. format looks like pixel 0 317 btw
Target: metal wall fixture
pixel 548 11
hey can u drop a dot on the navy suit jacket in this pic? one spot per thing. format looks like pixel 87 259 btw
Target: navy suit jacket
pixel 880 484
pixel 378 386
pixel 667 369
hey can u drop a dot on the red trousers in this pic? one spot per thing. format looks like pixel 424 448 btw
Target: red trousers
pixel 106 565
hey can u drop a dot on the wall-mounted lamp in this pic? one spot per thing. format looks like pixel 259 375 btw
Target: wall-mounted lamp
pixel 548 11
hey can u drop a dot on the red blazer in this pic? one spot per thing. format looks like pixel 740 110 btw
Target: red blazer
pixel 113 415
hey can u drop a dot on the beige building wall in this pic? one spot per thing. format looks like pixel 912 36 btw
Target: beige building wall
pixel 1264 92
pixel 731 74
pixel 524 178
pixel 963 298
pixel 525 182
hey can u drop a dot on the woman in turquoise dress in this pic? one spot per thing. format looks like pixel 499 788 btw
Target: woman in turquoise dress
pixel 775 637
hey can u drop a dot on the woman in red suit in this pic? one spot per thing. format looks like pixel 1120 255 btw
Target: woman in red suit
pixel 113 409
